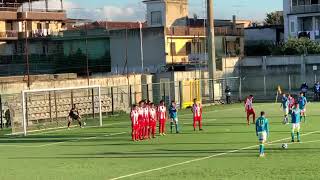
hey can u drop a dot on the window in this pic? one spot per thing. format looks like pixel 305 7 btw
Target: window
pixel 314 2
pixel 294 2
pixel 292 28
pixel 173 48
pixel 156 18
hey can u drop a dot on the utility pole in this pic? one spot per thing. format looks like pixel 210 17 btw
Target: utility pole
pixel 211 45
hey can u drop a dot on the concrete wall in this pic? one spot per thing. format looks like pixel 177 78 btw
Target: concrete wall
pixel 262 75
pixel 154 55
pixel 16 87
pixel 264 34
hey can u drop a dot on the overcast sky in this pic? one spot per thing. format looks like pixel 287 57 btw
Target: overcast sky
pixel 133 10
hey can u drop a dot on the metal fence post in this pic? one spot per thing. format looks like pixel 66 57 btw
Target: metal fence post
pixel 130 95
pixel 112 101
pixel 180 94
pixel 240 89
pixel 148 97
pixel 212 89
pixel 92 101
pixel 1 115
pixel 264 86
pixel 290 88
pixel 50 106
pixel 164 92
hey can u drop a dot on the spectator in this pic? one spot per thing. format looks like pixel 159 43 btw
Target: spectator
pixel 316 90
pixel 304 89
pixel 228 95
pixel 7 117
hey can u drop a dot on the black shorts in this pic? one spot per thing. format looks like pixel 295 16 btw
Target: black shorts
pixel 75 118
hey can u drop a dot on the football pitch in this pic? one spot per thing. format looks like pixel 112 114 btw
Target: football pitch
pixel 226 149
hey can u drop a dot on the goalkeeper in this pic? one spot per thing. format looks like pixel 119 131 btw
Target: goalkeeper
pixel 74 115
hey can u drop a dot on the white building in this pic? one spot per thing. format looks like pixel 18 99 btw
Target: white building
pixel 302 18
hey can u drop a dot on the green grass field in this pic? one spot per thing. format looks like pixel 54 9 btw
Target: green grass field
pixel 226 149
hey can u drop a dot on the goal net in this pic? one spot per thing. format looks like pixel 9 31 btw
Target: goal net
pixel 48 109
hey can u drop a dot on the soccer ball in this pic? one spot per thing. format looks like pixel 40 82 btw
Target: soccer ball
pixel 284 146
pixel 84 123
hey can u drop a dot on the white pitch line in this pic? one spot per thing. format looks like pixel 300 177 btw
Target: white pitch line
pixel 61 142
pixel 64 128
pixel 203 158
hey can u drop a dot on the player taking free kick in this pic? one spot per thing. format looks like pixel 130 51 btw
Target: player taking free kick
pixel 262 131
pixel 249 109
pixel 295 120
pixel 197 115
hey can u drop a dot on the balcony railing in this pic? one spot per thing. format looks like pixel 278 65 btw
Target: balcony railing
pixel 305 9
pixel 9 35
pixel 12 35
pixel 189 31
pixel 8 9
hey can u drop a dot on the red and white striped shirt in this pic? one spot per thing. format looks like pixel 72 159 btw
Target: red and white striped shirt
pixel 153 114
pixel 146 114
pixel 162 110
pixel 197 110
pixel 249 104
pixel 134 117
pixel 141 114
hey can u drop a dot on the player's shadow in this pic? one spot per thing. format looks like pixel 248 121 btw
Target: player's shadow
pixel 170 153
pixel 158 144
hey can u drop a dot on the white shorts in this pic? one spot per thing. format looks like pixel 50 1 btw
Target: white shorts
pixel 296 126
pixel 174 120
pixel 285 111
pixel 262 136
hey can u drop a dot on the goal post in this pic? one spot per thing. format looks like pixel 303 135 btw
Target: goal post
pixel 46 109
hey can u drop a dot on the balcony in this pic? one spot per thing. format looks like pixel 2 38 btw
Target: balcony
pixel 7 13
pixel 302 9
pixel 15 35
pixel 42 14
pixel 218 31
pixel 9 35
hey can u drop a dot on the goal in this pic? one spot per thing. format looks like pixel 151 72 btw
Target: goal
pixel 48 109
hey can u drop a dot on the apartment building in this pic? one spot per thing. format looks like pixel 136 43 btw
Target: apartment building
pixel 302 19
pixel 19 19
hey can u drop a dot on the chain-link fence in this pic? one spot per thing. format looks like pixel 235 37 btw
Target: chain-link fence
pixel 118 99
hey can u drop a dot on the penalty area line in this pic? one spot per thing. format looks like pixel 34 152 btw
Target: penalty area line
pixel 203 158
pixel 61 142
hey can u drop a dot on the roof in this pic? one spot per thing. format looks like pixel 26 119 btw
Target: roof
pixel 19 1
pixel 267 27
pixel 110 25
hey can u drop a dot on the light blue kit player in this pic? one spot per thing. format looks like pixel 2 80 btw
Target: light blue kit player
pixel 285 107
pixel 262 131
pixel 302 100
pixel 295 120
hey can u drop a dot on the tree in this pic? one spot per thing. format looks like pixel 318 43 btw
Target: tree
pixel 274 18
